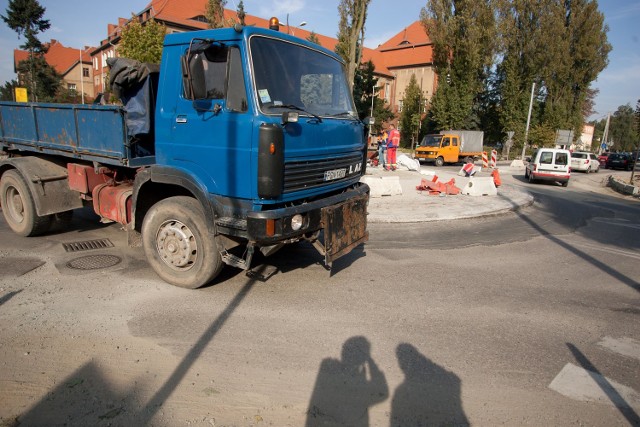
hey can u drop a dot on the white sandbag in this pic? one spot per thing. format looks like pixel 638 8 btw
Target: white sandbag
pixel 408 162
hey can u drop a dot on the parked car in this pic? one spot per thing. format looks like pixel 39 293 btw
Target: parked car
pixel 584 161
pixel 602 158
pixel 549 164
pixel 620 161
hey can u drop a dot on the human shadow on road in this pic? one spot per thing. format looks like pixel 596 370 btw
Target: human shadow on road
pixel 429 395
pixel 346 388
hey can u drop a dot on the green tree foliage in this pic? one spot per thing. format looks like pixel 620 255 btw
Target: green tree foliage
pixel 313 38
pixel 353 14
pixel 7 91
pixel 44 81
pixel 463 33
pixel 240 13
pixel 411 113
pixel 622 129
pixel 214 12
pixel 142 42
pixel 363 90
pixel 561 46
pixel 25 17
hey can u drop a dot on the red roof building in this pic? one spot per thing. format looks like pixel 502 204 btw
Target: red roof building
pixel 410 52
pixel 74 65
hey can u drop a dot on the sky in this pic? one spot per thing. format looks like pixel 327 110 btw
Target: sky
pixel 78 24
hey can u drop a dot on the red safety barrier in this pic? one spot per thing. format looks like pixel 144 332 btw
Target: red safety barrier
pixel 494 158
pixel 485 160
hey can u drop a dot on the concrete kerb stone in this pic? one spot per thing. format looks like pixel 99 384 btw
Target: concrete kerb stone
pixel 623 187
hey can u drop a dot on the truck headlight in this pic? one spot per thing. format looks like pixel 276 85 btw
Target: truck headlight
pixel 297 222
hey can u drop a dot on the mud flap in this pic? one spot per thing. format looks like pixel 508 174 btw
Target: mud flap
pixel 344 228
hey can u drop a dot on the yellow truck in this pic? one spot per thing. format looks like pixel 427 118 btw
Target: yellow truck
pixel 450 146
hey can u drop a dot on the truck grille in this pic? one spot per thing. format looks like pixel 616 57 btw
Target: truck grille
pixel 311 173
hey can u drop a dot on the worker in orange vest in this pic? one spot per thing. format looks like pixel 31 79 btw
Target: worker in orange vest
pixel 392 145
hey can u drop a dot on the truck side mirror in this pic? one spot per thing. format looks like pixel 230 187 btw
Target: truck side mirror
pixel 194 79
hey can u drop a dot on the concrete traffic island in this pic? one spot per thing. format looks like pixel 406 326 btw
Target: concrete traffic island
pixel 395 197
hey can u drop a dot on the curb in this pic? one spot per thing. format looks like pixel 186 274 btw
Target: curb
pixel 622 187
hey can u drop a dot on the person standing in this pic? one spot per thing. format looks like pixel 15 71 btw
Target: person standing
pixel 392 145
pixel 382 148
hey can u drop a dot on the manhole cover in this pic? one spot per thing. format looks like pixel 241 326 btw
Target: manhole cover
pixel 94 262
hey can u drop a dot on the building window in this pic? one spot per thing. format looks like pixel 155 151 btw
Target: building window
pixel 387 93
pixel 400 103
pixel 95 63
pixel 104 60
pixel 85 72
pixel 71 86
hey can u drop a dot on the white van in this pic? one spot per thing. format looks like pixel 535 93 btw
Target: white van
pixel 549 164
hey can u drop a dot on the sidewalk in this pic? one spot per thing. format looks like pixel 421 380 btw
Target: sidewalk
pixel 418 206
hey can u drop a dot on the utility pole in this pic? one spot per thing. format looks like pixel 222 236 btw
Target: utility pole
pixel 526 132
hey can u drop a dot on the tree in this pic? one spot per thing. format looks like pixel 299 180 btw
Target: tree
pixel 463 33
pixel 411 112
pixel 7 92
pixel 353 14
pixel 142 42
pixel 364 93
pixel 240 13
pixel 561 46
pixel 622 129
pixel 25 17
pixel 313 38
pixel 214 12
pixel 41 77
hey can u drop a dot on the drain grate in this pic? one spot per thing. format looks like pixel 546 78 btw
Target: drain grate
pixel 94 262
pixel 87 245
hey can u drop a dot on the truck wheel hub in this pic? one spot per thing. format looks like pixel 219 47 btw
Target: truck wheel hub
pixel 16 208
pixel 176 245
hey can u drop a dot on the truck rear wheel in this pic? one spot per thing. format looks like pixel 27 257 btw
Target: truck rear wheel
pixel 178 244
pixel 439 161
pixel 18 206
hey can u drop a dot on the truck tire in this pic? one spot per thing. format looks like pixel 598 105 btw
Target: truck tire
pixel 439 161
pixel 18 206
pixel 178 245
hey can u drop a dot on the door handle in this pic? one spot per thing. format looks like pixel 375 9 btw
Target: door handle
pixel 181 119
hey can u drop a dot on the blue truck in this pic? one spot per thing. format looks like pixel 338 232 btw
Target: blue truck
pixel 243 139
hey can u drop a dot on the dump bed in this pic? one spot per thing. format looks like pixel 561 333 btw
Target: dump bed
pixel 90 132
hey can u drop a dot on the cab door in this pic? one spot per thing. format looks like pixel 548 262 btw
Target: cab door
pixel 211 132
pixel 450 149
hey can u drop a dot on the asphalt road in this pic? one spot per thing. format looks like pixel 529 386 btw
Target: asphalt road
pixel 529 318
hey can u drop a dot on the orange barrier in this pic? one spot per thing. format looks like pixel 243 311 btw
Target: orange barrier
pixel 496 177
pixel 485 161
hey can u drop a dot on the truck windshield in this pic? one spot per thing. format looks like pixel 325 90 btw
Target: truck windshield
pixel 431 141
pixel 288 75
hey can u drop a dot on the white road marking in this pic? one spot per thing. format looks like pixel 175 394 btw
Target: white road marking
pixel 625 346
pixel 585 386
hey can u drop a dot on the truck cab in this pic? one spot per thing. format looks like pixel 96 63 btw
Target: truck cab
pixel 245 139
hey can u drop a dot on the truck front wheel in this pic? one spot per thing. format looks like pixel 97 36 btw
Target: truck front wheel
pixel 178 244
pixel 19 208
pixel 439 161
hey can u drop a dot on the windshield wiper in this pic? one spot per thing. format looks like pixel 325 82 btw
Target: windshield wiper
pixel 343 114
pixel 297 108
